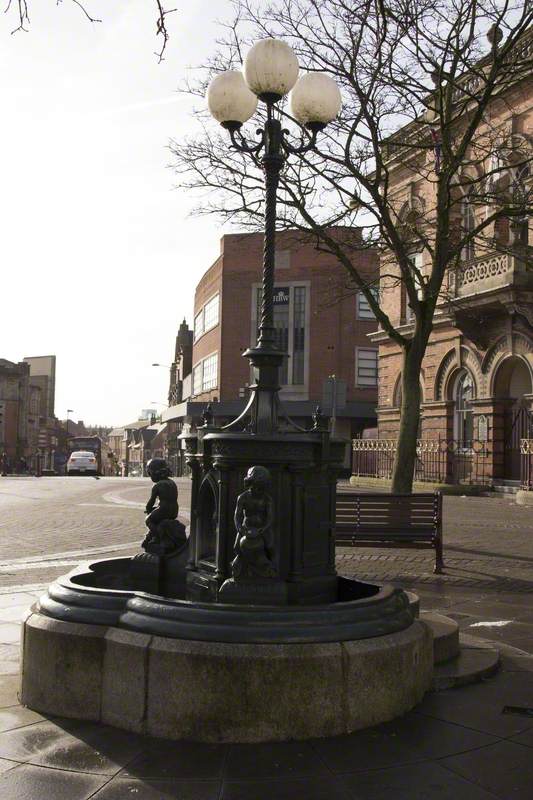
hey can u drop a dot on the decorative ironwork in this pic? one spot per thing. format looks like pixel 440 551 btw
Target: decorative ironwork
pixel 273 148
pixel 526 465
pixel 437 460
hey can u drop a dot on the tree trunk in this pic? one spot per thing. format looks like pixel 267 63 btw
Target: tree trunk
pixel 405 458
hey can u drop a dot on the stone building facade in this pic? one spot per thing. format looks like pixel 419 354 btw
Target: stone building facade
pixel 28 427
pixel 179 390
pixel 477 374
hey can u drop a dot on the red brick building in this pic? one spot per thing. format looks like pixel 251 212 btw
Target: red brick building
pixel 321 324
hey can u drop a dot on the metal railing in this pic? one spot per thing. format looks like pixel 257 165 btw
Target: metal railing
pixel 437 460
pixel 526 464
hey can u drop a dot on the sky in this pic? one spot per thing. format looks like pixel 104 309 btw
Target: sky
pixel 99 253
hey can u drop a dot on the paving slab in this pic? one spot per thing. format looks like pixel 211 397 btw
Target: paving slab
pixel 376 748
pixel 14 613
pixel 162 758
pixel 418 782
pixel 10 599
pixel 72 746
pixel 121 788
pixel 18 717
pixel 525 738
pixel 273 760
pixel 9 632
pixel 27 782
pixel 9 687
pixel 9 659
pixel 5 765
pixel 504 768
pixel 286 789
pixel 480 706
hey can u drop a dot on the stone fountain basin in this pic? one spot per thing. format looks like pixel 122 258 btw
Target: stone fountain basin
pixel 220 673
pixel 92 594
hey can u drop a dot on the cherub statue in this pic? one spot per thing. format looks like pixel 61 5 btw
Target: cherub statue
pixel 254 515
pixel 165 532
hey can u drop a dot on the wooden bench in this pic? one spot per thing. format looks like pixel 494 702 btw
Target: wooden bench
pixel 390 520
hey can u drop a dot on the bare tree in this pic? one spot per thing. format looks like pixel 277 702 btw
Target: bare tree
pixel 422 85
pixel 19 9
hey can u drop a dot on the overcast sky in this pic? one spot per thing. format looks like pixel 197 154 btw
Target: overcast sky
pixel 99 258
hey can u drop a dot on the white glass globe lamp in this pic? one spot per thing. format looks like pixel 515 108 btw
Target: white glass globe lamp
pixel 271 69
pixel 315 100
pixel 229 99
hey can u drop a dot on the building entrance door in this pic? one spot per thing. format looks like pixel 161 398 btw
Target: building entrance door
pixel 518 424
pixel 513 385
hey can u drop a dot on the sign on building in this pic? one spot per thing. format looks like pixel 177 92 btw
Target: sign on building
pixel 281 296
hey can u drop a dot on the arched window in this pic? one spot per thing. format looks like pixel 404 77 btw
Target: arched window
pixel 468 224
pixel 463 420
pixel 520 197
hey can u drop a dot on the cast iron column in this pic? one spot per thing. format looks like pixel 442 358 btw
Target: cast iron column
pixel 266 358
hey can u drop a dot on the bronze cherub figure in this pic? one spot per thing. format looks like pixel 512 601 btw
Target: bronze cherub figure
pixel 254 515
pixel 165 532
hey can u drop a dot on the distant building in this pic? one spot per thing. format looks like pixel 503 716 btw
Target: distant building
pixel 130 448
pixel 43 376
pixel 29 434
pixel 179 390
pixel 148 413
pixel 15 411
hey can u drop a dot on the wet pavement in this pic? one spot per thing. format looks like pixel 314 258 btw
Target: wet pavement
pixel 457 744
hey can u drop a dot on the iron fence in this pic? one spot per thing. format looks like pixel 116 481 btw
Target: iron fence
pixel 437 460
pixel 526 464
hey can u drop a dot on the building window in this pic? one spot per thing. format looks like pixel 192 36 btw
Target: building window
pixel 290 315
pixel 197 379
pixel 520 197
pixel 298 340
pixel 198 324
pixel 210 372
pixel 205 375
pixel 463 418
pixel 366 366
pixel 416 261
pixel 211 313
pixel 207 317
pixel 468 224
pixel 363 307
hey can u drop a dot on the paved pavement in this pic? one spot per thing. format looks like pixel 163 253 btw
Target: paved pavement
pixel 456 744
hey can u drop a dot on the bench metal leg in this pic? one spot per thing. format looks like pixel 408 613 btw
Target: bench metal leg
pixel 439 559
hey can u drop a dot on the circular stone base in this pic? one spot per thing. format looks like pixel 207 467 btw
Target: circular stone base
pixel 221 692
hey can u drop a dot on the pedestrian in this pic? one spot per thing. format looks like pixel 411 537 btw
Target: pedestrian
pixel 5 463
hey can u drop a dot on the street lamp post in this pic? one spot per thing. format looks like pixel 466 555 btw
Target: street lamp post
pixel 296 468
pixel 270 72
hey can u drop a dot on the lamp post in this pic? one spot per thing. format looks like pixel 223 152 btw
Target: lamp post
pixel 296 469
pixel 270 72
